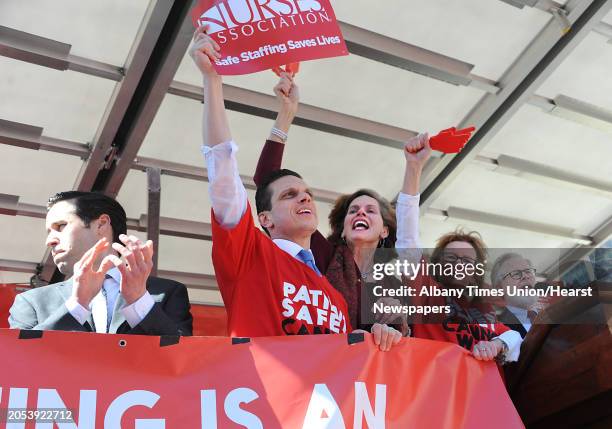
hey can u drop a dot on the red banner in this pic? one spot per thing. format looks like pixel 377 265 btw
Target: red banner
pixel 310 382
pixel 256 35
pixel 7 296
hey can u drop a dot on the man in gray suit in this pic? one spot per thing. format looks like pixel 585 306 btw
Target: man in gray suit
pixel 108 287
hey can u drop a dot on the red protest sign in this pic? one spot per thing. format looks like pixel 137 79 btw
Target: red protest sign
pixel 318 381
pixel 451 140
pixel 257 35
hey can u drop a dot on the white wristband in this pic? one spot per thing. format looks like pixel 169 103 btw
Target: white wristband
pixel 280 134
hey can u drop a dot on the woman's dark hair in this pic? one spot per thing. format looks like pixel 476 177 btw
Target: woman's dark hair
pixel 340 209
pixel 89 206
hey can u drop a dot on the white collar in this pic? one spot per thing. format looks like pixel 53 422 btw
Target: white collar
pixel 115 274
pixel 289 246
pixel 520 313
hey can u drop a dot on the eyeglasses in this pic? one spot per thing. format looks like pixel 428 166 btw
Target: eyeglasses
pixel 452 259
pixel 518 274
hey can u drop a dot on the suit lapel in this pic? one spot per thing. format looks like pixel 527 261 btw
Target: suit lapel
pixel 65 289
pixel 513 322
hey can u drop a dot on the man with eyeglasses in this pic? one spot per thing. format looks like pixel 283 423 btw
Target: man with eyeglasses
pixel 512 269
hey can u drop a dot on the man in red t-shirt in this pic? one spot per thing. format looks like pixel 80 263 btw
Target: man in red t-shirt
pixel 269 287
pixel 268 292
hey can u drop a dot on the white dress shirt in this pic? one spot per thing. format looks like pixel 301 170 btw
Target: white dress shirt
pixel 290 247
pixel 228 195
pixel 100 306
pixel 407 213
pixel 513 340
pixel 521 315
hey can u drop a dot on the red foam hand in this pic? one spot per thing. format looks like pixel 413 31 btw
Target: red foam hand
pixel 451 140
pixel 291 68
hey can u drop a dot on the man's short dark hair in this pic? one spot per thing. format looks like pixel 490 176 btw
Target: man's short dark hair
pixel 89 206
pixel 263 195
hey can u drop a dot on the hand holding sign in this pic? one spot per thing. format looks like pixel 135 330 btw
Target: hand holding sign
pixel 291 68
pixel 204 51
pixel 288 94
pixel 451 140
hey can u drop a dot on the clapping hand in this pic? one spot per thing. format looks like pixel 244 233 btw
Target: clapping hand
pixel 87 281
pixel 135 268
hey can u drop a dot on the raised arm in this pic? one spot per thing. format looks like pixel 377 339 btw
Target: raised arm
pixel 227 193
pixel 417 151
pixel 288 96
pixel 215 125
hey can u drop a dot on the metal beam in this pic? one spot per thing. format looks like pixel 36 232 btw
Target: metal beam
pixel 200 173
pixel 361 42
pixel 153 212
pixel 266 106
pixel 156 15
pixel 10 205
pixel 557 10
pixel 95 68
pixel 480 217
pixel 518 85
pixel 175 227
pixel 583 113
pixel 17 266
pixel 544 5
pixel 530 170
pixel 20 135
pixel 575 110
pixel 29 137
pixel 45 52
pixel 162 66
pixel 393 52
pixel 605 30
pixel 569 260
pixel 30 48
pixel 521 3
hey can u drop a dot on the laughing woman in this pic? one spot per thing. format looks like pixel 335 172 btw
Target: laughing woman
pixel 361 223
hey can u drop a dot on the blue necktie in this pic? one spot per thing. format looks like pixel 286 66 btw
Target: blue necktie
pixel 306 257
pixel 110 302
